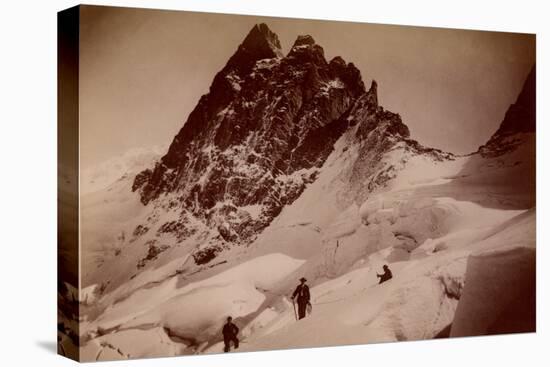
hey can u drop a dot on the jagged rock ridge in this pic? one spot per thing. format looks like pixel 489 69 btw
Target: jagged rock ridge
pixel 519 118
pixel 260 135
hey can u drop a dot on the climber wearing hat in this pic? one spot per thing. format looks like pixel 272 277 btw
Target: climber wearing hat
pixel 302 296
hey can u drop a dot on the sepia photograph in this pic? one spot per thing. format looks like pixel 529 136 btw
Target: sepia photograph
pixel 236 183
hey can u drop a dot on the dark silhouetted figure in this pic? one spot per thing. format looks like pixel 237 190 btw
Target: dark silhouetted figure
pixel 387 275
pixel 302 296
pixel 230 331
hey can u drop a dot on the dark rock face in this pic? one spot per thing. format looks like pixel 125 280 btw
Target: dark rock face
pixel 254 142
pixel 379 131
pixel 153 252
pixel 140 230
pixel 179 229
pixel 520 118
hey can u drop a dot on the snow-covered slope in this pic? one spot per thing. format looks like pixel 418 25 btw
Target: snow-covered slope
pixel 103 175
pixel 426 223
pixel 108 205
pixel 445 224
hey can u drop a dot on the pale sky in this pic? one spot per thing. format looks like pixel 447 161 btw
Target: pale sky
pixel 143 71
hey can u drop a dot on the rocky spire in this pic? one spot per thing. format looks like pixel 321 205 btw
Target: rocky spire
pixel 304 40
pixel 260 43
pixel 520 118
pixel 306 50
pixel 261 135
pixel 373 93
pixel 348 73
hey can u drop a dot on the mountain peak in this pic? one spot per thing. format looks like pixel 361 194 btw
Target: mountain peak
pixel 306 50
pixel 338 60
pixel 264 121
pixel 521 117
pixel 263 40
pixel 260 43
pixel 304 40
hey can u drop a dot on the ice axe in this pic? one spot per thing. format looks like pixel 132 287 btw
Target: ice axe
pixel 294 305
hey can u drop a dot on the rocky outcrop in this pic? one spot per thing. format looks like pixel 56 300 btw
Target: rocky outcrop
pixel 520 118
pixel 257 138
pixel 376 133
pixel 261 134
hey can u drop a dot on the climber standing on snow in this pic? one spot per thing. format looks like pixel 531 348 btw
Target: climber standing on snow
pixel 301 294
pixel 387 275
pixel 230 331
